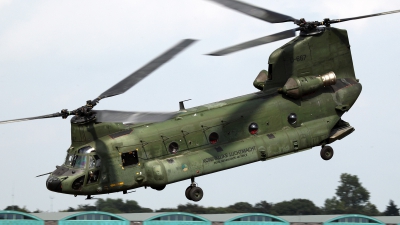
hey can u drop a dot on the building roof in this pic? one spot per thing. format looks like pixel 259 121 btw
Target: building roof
pixel 308 218
pixel 219 217
pixel 53 215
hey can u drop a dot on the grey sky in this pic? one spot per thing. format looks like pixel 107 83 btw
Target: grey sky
pixel 58 54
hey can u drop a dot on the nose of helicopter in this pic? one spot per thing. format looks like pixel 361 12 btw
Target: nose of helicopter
pixel 54 184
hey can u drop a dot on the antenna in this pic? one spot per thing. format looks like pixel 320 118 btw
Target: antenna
pixel 51 203
pixel 182 106
pixel 12 194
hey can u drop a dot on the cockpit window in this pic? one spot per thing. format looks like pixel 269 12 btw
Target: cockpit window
pixel 85 150
pixel 68 160
pixel 79 161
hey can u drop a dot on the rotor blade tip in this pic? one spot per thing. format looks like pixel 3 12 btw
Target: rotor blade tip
pixel 189 39
pixel 212 54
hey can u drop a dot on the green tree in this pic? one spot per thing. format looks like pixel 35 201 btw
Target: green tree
pixel 112 206
pixel 333 206
pixel 370 210
pixel 86 207
pixel 264 207
pixel 118 206
pixel 296 207
pixel 191 208
pixel 351 193
pixel 17 208
pixel 241 207
pixel 217 210
pixel 167 210
pixel 391 209
pixel 70 209
pixel 351 197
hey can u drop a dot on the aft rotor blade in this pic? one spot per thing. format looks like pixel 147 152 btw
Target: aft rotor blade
pixel 256 42
pixel 362 17
pixel 254 11
pixel 132 117
pixel 143 72
pixel 32 118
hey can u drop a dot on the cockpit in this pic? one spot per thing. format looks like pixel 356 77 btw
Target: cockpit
pixel 80 169
pixel 85 158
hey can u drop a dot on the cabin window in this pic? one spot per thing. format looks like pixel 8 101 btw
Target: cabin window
pixel 253 128
pixel 129 158
pixel 93 176
pixel 173 147
pixel 213 138
pixel 292 118
pixel 94 161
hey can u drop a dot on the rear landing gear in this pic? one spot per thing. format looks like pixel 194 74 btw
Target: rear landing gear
pixel 326 152
pixel 193 192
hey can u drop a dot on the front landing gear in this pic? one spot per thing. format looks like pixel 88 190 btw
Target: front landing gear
pixel 193 192
pixel 326 152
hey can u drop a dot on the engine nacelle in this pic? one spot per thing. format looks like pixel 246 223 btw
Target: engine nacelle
pixel 299 86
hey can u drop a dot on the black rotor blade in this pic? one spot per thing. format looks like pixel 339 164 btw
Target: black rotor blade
pixel 43 174
pixel 32 118
pixel 256 42
pixel 143 72
pixel 257 12
pixel 132 117
pixel 362 17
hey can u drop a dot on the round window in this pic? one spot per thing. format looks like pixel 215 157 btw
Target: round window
pixel 253 128
pixel 213 138
pixel 173 147
pixel 292 118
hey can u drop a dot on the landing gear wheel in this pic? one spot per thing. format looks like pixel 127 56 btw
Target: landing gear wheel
pixel 326 152
pixel 187 192
pixel 196 194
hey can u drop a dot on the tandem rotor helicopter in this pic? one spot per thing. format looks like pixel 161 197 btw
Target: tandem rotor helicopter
pixel 310 83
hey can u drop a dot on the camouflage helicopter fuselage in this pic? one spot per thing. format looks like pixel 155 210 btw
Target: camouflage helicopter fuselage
pixel 296 110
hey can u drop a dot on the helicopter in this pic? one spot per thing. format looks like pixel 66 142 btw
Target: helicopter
pixel 216 136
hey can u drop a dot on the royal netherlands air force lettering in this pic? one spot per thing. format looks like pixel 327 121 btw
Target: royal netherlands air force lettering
pixel 230 155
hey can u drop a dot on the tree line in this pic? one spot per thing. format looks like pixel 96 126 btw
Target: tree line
pixel 351 198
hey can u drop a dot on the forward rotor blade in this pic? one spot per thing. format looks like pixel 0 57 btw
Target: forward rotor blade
pixel 143 72
pixel 43 174
pixel 256 42
pixel 132 117
pixel 362 17
pixel 32 118
pixel 254 11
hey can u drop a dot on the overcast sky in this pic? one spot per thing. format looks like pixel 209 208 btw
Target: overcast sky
pixel 58 54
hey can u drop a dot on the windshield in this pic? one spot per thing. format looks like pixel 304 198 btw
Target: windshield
pixel 79 161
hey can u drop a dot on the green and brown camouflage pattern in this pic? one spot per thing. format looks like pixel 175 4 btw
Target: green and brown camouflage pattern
pixel 318 119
